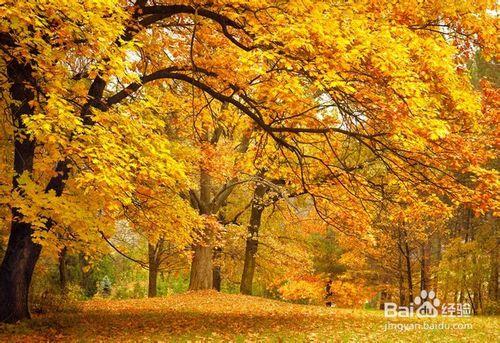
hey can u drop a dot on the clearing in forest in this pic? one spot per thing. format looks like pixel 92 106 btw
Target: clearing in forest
pixel 214 317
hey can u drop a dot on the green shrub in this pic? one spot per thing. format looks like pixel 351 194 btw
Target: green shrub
pixel 104 288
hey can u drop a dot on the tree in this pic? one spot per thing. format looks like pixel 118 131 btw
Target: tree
pixel 105 286
pixel 162 256
pixel 252 240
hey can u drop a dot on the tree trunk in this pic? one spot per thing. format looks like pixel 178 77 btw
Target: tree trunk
pixel 217 276
pixel 202 265
pixel 383 299
pixel 16 272
pixel 252 241
pixel 152 284
pixel 201 268
pixel 401 280
pixel 153 271
pixel 493 281
pixel 408 274
pixel 437 256
pixel 249 266
pixel 328 293
pixel 21 255
pixel 425 267
pixel 63 270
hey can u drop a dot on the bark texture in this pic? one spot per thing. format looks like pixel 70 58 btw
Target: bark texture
pixel 152 271
pixel 217 272
pixel 202 265
pixel 63 270
pixel 22 253
pixel 201 268
pixel 425 267
pixel 252 241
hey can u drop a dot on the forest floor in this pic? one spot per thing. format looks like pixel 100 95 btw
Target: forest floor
pixel 215 317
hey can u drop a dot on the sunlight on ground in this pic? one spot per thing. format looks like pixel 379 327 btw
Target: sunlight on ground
pixel 213 317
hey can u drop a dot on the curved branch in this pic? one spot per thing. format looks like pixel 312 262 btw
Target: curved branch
pixel 141 263
pixel 166 11
pixel 173 73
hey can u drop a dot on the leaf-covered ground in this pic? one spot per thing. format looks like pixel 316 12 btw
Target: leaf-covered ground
pixel 213 317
